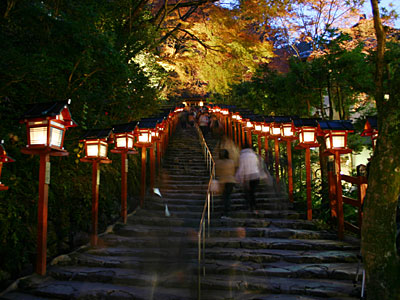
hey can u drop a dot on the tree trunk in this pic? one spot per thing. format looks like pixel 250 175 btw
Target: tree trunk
pixel 378 244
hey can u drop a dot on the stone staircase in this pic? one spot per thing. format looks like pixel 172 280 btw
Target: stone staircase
pixel 269 254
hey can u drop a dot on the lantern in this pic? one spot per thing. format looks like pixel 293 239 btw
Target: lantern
pixel 225 111
pixel 287 129
pixel 266 125
pixel 335 134
pixel 143 137
pixel 275 130
pixel 201 103
pixel 46 124
pixel 371 129
pixel 96 144
pixel 307 131
pixel 123 136
pixel 4 158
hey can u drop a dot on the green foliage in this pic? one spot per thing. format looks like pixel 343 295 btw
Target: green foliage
pixel 55 50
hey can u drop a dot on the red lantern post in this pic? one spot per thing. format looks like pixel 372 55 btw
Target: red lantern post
pixel 265 131
pixel 307 130
pixel 288 135
pixel 124 144
pixel 275 134
pixel 96 146
pixel 335 135
pixel 4 158
pixel 46 124
pixel 144 140
pixel 371 129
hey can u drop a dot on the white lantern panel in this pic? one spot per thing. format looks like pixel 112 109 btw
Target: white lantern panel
pixel 103 150
pixel 249 124
pixel 121 142
pixel 258 127
pixel 328 142
pixel 144 137
pixel 287 131
pixel 265 128
pixel 92 149
pixel 276 130
pixel 130 142
pixel 56 136
pixel 38 135
pixel 338 141
pixel 309 136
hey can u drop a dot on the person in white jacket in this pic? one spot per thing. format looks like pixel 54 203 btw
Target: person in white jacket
pixel 248 174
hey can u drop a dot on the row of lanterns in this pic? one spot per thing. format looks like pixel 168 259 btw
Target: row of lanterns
pixel 46 124
pixel 305 130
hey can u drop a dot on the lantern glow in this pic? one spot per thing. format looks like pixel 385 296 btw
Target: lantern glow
pixel 46 124
pixel 335 134
pixel 96 144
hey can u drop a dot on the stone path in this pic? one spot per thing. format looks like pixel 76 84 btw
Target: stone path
pixel 271 254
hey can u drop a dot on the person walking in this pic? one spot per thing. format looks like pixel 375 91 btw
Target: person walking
pixel 225 172
pixel 203 123
pixel 248 174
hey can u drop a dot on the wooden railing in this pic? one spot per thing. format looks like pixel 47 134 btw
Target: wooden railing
pixel 337 200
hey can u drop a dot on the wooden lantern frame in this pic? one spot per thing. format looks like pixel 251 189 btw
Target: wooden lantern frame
pixel 4 158
pixel 275 130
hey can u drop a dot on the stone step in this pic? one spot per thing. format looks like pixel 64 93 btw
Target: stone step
pixel 271 232
pixel 216 222
pixel 59 289
pixel 274 255
pixel 260 214
pixel 122 276
pixel 266 285
pixel 339 271
pixel 244 241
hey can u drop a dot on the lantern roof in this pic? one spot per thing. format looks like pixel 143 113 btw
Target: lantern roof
pixel 257 118
pixel 282 119
pixel 371 126
pixel 335 125
pixel 147 123
pixel 95 134
pixel 50 109
pixel 305 122
pixel 3 155
pixel 373 121
pixel 123 128
pixel 268 119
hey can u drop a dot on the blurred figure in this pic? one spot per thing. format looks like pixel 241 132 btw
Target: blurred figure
pixel 230 146
pixel 248 174
pixel 225 172
pixel 203 123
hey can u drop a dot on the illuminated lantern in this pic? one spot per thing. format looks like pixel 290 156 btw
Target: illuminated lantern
pixel 265 127
pixel 307 132
pixel 371 129
pixel 4 158
pixel 124 137
pixel 288 130
pixel 275 129
pixel 143 133
pixel 96 144
pixel 46 124
pixel 335 134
